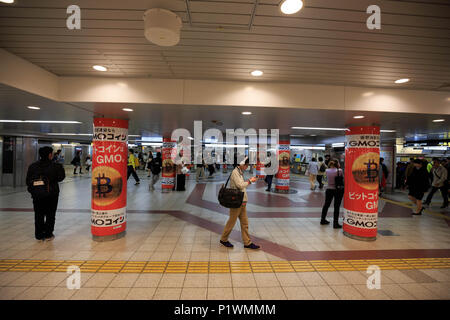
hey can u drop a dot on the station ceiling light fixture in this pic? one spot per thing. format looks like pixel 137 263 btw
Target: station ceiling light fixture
pixel 257 73
pixel 358 117
pixel 401 80
pixel 33 108
pixel 100 68
pixel 306 148
pixel 387 131
pixel 317 128
pixel 7 1
pixel 438 120
pixel 127 109
pixel 39 121
pixel 291 6
pixel 69 134
pixel 247 113
pixel 338 145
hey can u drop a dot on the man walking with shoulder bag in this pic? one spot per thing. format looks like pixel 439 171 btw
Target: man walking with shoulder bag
pixel 237 182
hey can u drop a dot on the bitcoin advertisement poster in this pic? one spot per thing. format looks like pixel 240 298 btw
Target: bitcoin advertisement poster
pixel 109 176
pixel 362 159
pixel 169 150
pixel 283 174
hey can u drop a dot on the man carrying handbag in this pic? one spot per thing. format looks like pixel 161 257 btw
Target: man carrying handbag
pixel 237 182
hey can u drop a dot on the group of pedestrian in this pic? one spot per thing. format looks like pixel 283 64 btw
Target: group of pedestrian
pixel 317 171
pixel 76 162
pixel 151 164
pixel 420 175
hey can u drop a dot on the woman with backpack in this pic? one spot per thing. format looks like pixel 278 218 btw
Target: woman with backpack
pixel 322 172
pixel 335 189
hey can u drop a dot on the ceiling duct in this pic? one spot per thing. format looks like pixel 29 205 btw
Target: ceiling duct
pixel 162 27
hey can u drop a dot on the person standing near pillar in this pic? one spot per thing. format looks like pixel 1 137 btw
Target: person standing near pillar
pixel 42 181
pixel 132 167
pixel 237 182
pixel 335 189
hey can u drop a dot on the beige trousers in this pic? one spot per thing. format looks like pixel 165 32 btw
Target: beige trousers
pixel 312 180
pixel 240 213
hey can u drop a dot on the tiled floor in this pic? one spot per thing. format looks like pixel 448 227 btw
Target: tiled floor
pixel 184 227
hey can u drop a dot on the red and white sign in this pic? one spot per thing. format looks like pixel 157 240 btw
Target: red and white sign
pixel 284 169
pixel 109 176
pixel 362 158
pixel 168 174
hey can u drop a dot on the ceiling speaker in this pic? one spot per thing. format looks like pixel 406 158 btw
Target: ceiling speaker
pixel 162 27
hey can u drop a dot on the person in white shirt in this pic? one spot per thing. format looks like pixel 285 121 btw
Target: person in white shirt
pixel 313 170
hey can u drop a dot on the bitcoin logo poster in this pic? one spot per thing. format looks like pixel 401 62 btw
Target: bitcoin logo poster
pixel 109 177
pixel 169 150
pixel 283 174
pixel 362 160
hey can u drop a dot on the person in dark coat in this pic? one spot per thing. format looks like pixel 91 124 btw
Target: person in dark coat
pixel 76 162
pixel 269 178
pixel 42 181
pixel 418 184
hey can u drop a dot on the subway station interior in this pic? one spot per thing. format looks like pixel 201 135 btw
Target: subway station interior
pixel 109 83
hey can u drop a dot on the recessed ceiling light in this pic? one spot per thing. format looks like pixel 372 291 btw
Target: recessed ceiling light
pixel 317 128
pixel 100 68
pixel 257 73
pixel 358 117
pixel 246 113
pixel 7 1
pixel 291 6
pixel 439 120
pixel 33 108
pixel 387 131
pixel 402 80
pixel 127 109
pixel 313 135
pixel 69 134
pixel 38 121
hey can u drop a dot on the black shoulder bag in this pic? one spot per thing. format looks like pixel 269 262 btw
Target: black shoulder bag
pixel 339 181
pixel 230 198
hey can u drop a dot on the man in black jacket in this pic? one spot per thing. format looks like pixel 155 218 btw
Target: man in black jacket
pixel 42 181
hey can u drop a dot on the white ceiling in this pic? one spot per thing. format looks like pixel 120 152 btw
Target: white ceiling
pixel 327 42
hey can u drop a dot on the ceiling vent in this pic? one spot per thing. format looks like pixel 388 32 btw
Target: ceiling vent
pixel 162 27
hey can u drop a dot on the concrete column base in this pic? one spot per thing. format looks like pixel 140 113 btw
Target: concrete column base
pixel 358 237
pixel 109 238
